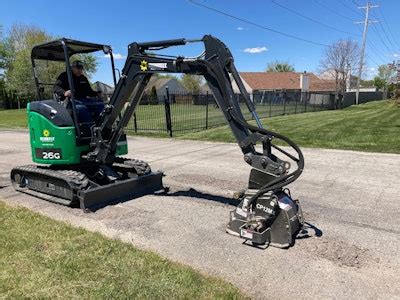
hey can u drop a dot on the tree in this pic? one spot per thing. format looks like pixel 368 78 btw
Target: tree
pixel 153 95
pixel 340 59
pixel 18 67
pixel 89 61
pixel 192 83
pixel 382 80
pixel 380 83
pixel 3 53
pixel 280 66
pixel 367 83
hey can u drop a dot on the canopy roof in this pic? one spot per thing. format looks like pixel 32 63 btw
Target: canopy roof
pixel 54 50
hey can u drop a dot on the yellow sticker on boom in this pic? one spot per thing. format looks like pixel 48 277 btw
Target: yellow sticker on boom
pixel 143 66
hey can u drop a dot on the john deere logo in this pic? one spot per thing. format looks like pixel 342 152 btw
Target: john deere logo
pixel 46 133
pixel 143 66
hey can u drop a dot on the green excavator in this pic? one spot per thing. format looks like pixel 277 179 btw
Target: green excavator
pixel 79 160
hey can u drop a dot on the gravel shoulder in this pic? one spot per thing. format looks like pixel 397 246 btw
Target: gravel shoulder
pixel 350 197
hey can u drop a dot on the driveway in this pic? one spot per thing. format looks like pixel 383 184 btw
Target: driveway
pixel 352 198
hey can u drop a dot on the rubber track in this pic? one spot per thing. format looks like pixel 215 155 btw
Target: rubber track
pixel 74 180
pixel 139 167
pixel 71 176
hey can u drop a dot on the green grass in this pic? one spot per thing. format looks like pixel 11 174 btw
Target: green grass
pixel 187 116
pixel 374 126
pixel 43 258
pixel 13 118
pixel 368 127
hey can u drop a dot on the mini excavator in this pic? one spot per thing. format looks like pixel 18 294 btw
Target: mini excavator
pixel 79 162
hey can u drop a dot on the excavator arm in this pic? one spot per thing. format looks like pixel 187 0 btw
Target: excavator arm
pixel 269 174
pixel 217 66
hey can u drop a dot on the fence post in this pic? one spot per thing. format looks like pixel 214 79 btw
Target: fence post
pixel 284 106
pixel 207 110
pixel 305 101
pixel 315 101
pixel 295 106
pixel 135 122
pixel 168 112
pixel 270 106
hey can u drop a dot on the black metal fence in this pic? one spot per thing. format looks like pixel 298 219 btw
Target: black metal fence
pixel 176 112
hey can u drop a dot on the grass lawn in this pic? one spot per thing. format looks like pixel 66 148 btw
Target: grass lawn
pixel 368 127
pixel 374 126
pixel 13 118
pixel 43 258
pixel 187 116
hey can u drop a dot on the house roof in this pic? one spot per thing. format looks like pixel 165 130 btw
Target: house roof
pixel 160 82
pixel 284 81
pixel 105 88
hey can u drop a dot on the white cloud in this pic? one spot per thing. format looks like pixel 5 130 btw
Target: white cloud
pixel 255 50
pixel 396 54
pixel 115 55
pixel 239 28
pixel 372 69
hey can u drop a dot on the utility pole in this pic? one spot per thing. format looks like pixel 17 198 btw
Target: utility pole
pixel 366 22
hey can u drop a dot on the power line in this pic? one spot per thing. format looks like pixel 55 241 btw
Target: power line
pixel 377 52
pixel 390 32
pixel 374 61
pixel 350 8
pixel 384 31
pixel 333 11
pixel 311 19
pixel 258 25
pixel 381 39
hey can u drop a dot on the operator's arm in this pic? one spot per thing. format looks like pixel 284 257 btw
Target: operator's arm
pixel 61 85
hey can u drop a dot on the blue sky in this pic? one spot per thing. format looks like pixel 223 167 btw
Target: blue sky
pixel 121 22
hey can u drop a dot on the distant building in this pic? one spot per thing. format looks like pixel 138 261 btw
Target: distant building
pixel 287 81
pixel 106 89
pixel 351 81
pixel 160 84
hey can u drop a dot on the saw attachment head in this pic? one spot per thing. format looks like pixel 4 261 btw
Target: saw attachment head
pixel 273 219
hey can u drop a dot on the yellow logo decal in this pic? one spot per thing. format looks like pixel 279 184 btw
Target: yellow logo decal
pixel 143 66
pixel 46 133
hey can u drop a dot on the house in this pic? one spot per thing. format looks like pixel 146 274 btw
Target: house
pixel 267 87
pixel 282 81
pixel 161 83
pixel 351 81
pixel 106 89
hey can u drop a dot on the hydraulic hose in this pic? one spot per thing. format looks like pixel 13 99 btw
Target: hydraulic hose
pixel 280 182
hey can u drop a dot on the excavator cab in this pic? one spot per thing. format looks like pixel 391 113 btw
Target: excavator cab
pixel 60 129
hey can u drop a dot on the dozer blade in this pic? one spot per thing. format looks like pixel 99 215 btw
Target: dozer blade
pixel 120 190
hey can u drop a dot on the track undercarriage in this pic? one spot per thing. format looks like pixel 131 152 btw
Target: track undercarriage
pixel 88 186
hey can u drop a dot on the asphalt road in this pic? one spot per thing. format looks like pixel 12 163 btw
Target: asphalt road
pixel 351 197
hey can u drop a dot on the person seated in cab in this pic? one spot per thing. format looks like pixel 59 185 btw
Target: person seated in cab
pixel 87 106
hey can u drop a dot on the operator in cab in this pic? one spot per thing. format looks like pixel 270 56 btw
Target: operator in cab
pixel 88 102
pixel 81 84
